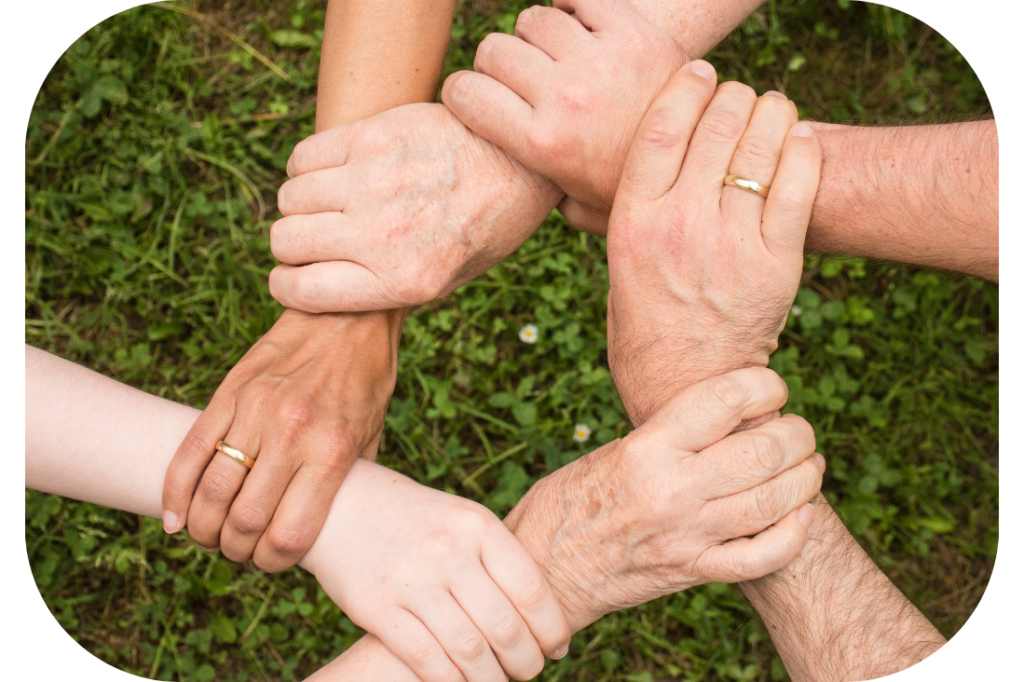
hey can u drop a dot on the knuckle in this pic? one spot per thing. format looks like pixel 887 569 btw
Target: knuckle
pixel 295 417
pixel 765 453
pixel 544 143
pixel 531 668
pixel 217 486
pixel 757 149
pixel 288 541
pixel 662 129
pixel 248 519
pixel 470 646
pixel 284 198
pixel 197 445
pixel 485 49
pixel 508 630
pixel 575 97
pixel 720 128
pixel 767 503
pixel 728 393
pixel 531 590
pixel 528 17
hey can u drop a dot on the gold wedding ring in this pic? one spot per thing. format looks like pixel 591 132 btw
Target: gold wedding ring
pixel 749 185
pixel 236 454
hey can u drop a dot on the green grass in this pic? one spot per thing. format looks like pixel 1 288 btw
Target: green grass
pixel 155 150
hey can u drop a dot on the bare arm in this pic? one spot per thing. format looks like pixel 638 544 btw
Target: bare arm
pixel 834 616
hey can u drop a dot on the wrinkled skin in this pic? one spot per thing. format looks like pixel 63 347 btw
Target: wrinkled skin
pixel 702 276
pixel 397 210
pixel 672 505
pixel 566 94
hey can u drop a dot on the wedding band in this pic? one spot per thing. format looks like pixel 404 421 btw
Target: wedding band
pixel 749 185
pixel 236 454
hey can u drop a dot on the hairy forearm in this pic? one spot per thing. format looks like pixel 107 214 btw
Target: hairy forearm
pixel 927 195
pixel 833 616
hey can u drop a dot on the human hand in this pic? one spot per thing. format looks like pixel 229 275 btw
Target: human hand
pixel 702 275
pixel 397 210
pixel 565 95
pixel 438 579
pixel 672 505
pixel 304 402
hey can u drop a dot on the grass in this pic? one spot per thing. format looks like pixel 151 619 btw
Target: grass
pixel 155 150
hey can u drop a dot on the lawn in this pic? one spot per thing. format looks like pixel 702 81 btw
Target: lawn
pixel 155 150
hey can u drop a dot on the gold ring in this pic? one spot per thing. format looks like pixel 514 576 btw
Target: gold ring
pixel 749 185
pixel 236 454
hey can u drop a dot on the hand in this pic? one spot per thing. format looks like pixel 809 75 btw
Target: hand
pixel 566 94
pixel 397 210
pixel 702 276
pixel 672 505
pixel 304 402
pixel 438 579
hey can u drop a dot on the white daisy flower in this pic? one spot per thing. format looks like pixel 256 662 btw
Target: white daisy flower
pixel 796 310
pixel 528 334
pixel 581 434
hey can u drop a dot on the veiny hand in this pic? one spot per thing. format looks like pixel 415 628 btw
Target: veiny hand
pixel 397 210
pixel 304 402
pixel 702 276
pixel 438 579
pixel 674 503
pixel 565 95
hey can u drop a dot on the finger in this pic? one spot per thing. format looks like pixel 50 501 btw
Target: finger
pixel 653 162
pixel 492 111
pixel 317 237
pixel 299 516
pixel 519 577
pixel 787 210
pixel 747 459
pixel 220 485
pixel 757 157
pixel 707 412
pixel 409 639
pixel 754 510
pixel 515 64
pixel 584 218
pixel 768 551
pixel 461 639
pixel 506 632
pixel 328 149
pixel 191 459
pixel 597 15
pixel 333 287
pixel 714 141
pixel 557 33
pixel 319 191
pixel 253 509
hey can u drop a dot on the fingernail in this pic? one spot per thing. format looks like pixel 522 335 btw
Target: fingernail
pixel 806 515
pixel 703 69
pixel 775 93
pixel 560 654
pixel 801 129
pixel 208 550
pixel 820 461
pixel 171 522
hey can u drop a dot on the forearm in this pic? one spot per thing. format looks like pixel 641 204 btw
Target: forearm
pixel 833 616
pixel 697 25
pixel 927 195
pixel 377 56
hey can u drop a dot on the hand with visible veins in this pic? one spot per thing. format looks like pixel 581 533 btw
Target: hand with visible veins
pixel 397 210
pixel 305 402
pixel 679 502
pixel 565 95
pixel 702 275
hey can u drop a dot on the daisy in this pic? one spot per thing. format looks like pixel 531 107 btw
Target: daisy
pixel 581 434
pixel 528 334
